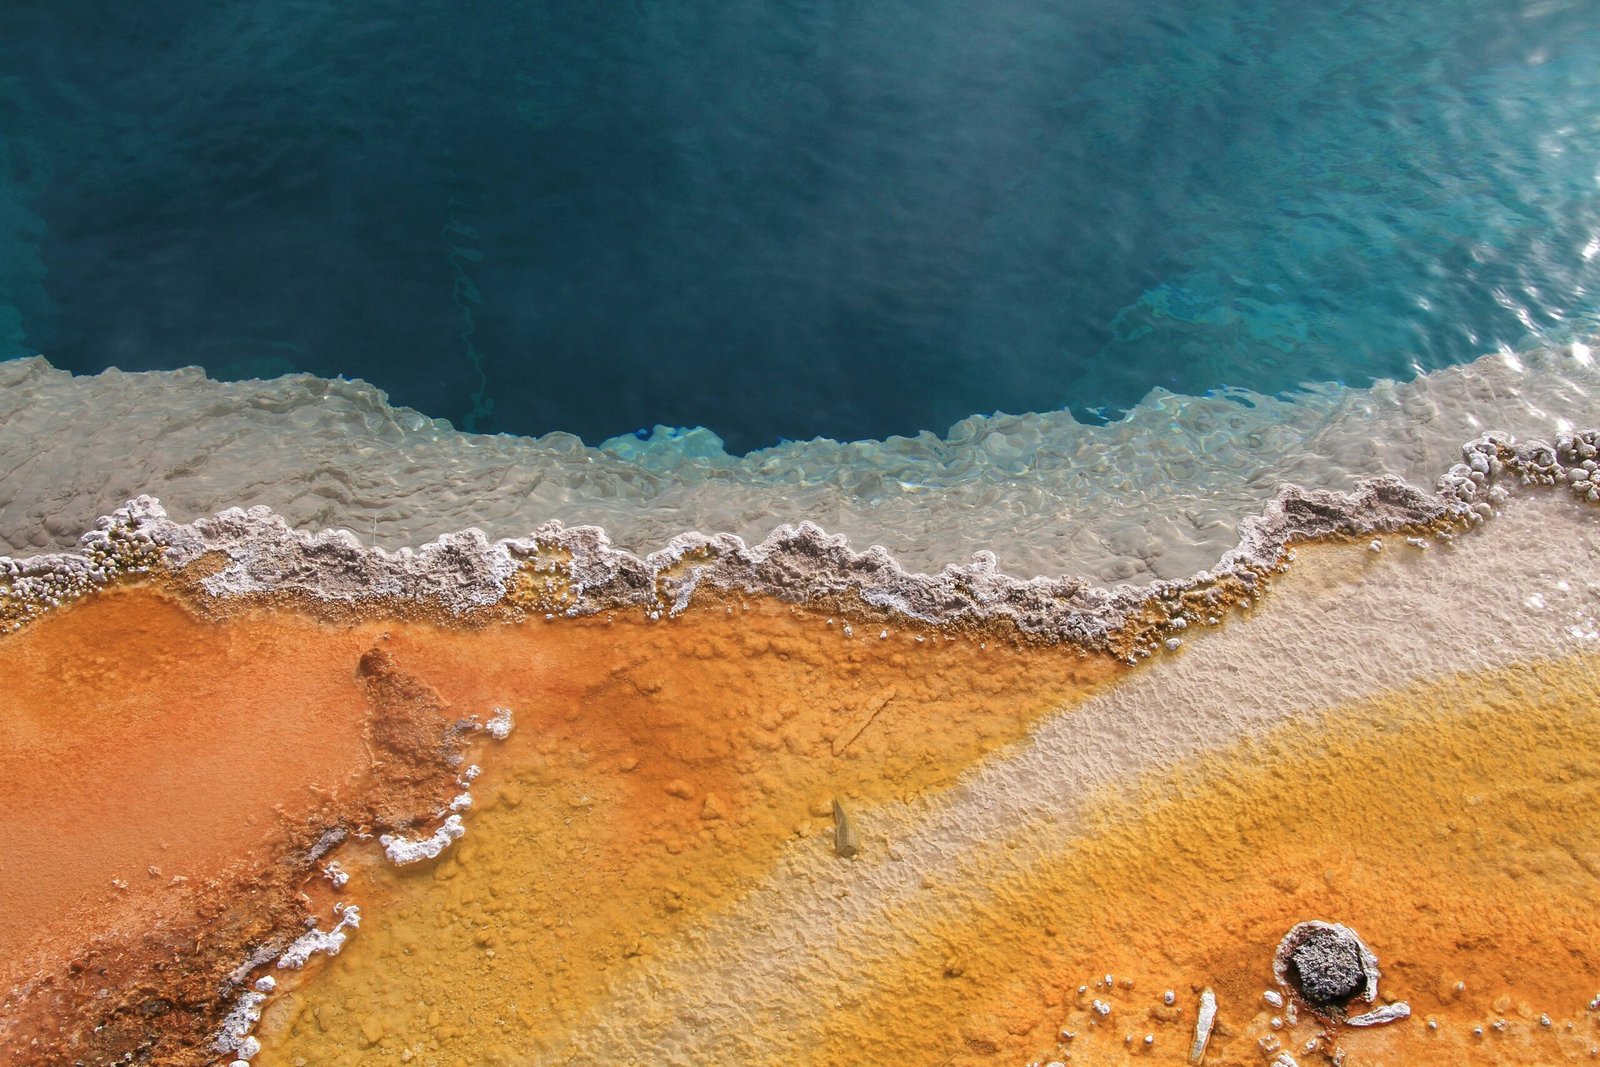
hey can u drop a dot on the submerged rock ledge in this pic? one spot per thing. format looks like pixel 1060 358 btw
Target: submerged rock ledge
pixel 574 571
pixel 1156 494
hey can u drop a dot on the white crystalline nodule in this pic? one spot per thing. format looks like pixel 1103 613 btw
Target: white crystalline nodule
pixel 404 850
pixel 314 941
pixel 499 724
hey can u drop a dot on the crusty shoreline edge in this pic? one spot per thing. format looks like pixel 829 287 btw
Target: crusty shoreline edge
pixel 256 552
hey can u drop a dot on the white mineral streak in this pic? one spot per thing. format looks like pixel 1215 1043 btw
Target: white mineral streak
pixel 1204 1020
pixel 1158 494
pixel 234 1037
pixel 314 941
pixel 1378 1016
pixel 404 850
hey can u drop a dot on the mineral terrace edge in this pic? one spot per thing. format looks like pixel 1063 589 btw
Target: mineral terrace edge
pixel 579 572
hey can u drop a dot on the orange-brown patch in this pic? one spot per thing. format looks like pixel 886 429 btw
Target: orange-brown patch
pixel 165 777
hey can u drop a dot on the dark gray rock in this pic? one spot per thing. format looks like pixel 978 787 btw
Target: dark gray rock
pixel 1328 968
pixel 1327 965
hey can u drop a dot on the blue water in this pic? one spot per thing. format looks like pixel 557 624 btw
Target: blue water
pixel 786 218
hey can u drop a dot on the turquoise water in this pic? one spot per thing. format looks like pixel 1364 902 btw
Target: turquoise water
pixel 781 220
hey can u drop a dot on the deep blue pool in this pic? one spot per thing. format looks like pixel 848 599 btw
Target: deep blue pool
pixel 784 219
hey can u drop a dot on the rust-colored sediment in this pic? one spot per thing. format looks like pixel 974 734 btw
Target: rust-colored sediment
pixel 160 774
pixel 1451 823
pixel 655 767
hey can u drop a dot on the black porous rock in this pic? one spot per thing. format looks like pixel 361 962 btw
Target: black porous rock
pixel 1327 965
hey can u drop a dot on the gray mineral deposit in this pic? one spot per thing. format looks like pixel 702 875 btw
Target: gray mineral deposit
pixel 1327 965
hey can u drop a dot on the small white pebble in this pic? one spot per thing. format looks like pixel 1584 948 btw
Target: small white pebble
pixel 1544 1020
pixel 1433 1024
pixel 883 635
pixel 1276 1023
pixel 1149 1039
pixel 1169 998
pixel 1101 1008
pixel 1173 644
pixel 1273 997
pixel 1375 546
